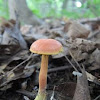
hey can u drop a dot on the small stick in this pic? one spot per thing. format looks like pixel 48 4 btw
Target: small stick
pixel 71 64
pixel 75 60
pixel 58 69
pixel 20 64
pixel 10 72
pixel 94 34
pixel 27 93
pixel 97 98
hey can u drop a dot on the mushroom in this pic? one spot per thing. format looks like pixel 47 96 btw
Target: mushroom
pixel 45 47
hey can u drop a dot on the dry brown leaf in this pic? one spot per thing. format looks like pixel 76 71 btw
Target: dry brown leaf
pixel 12 34
pixel 82 89
pixel 75 30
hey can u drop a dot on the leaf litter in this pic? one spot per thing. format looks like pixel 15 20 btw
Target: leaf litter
pixel 19 69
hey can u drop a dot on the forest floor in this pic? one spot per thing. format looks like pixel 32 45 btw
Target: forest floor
pixel 74 74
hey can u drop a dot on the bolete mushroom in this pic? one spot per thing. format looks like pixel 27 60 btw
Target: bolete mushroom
pixel 45 47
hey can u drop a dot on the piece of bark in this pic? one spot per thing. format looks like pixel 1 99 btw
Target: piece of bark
pixel 89 20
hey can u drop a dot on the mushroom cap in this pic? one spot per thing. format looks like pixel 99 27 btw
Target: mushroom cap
pixel 46 47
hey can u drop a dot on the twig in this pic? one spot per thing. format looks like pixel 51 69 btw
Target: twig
pixel 10 72
pixel 21 63
pixel 27 93
pixel 58 69
pixel 75 60
pixel 53 93
pixel 97 98
pixel 71 64
pixel 89 20
pixel 94 34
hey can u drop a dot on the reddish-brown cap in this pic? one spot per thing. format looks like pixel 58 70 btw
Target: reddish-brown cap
pixel 46 47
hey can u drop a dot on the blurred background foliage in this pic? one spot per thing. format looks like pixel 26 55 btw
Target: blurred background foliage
pixel 58 8
pixel 4 9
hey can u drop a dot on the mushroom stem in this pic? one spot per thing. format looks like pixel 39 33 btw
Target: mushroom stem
pixel 43 74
